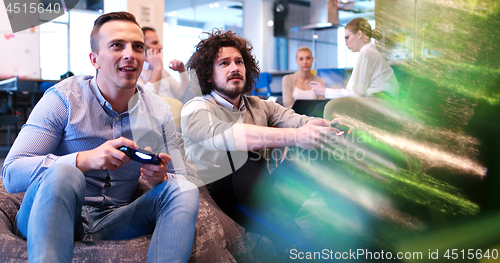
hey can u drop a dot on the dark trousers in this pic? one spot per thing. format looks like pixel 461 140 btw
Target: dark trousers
pixel 251 198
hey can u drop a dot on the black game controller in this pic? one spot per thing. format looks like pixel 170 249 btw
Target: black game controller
pixel 141 155
pixel 343 129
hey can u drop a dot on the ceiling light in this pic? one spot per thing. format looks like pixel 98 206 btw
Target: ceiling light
pixel 270 23
pixel 216 4
pixel 280 8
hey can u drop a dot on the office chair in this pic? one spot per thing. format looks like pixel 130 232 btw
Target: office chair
pixel 175 108
pixel 263 86
pixel 8 115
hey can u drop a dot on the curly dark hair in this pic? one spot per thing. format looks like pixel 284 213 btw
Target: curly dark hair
pixel 207 50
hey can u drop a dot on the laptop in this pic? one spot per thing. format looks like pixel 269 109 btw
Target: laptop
pixel 312 108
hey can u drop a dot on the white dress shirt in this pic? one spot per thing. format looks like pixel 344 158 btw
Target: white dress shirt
pixel 371 74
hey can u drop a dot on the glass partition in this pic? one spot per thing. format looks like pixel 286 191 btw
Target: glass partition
pixel 53 49
pixel 65 44
pixel 327 43
pixel 183 27
pixel 81 23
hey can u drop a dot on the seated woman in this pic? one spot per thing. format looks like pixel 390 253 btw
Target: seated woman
pixel 296 86
pixel 372 76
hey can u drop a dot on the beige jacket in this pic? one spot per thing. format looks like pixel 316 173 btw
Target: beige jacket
pixel 208 135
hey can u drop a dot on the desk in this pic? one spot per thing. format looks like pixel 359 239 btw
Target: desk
pixel 24 84
pixel 278 76
pixel 27 94
pixel 18 93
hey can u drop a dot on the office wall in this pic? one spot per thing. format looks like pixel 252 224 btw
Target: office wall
pixel 19 52
pixel 323 43
pixel 256 14
pixel 148 13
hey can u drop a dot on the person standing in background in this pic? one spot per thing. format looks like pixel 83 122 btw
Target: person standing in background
pixel 372 76
pixel 154 77
pixel 296 86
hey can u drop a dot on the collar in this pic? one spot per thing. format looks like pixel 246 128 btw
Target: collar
pixel 366 46
pixel 97 92
pixel 146 65
pixel 103 102
pixel 224 103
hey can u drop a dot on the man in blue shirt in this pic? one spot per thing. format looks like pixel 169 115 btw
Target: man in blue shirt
pixel 78 185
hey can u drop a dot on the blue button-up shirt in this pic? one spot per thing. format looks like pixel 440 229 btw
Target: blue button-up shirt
pixel 73 116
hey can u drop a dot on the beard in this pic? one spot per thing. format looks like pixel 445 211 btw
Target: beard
pixel 230 92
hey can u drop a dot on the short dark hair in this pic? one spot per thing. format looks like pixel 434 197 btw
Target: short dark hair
pixel 103 19
pixel 147 28
pixel 207 50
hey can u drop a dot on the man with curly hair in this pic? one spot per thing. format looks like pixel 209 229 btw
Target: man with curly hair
pixel 226 133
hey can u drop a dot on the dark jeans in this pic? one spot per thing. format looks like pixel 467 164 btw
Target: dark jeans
pixel 251 198
pixel 51 217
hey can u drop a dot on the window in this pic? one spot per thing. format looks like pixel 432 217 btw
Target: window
pixel 81 24
pixel 65 45
pixel 183 28
pixel 54 48
pixel 178 43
